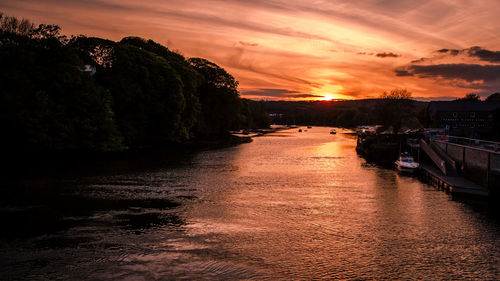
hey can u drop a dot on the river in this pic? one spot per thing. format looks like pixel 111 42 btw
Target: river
pixel 287 206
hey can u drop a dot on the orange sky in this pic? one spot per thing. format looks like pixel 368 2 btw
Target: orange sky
pixel 291 49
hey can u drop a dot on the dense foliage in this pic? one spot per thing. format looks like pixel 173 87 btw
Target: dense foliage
pixel 92 94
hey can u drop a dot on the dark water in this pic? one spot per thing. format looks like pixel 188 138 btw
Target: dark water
pixel 287 206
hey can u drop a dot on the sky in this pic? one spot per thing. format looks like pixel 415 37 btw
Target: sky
pixel 296 50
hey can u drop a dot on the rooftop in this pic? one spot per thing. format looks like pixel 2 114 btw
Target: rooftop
pixel 464 105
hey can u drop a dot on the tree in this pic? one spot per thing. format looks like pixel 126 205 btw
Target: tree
pixel 47 103
pixel 219 99
pixel 13 25
pixel 147 96
pixel 396 94
pixel 394 107
pixel 191 81
pixel 94 51
pixel 493 97
pixel 140 94
pixel 348 118
pixel 470 97
pixel 252 115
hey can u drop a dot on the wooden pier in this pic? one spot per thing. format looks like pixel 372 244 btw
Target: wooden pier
pixel 453 183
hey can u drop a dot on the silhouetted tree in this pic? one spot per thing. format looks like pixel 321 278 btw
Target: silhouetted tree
pixel 47 102
pixel 141 93
pixel 470 97
pixel 348 118
pixel 191 81
pixel 147 96
pixel 219 99
pixel 394 107
pixel 493 97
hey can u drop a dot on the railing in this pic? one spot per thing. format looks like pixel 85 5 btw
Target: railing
pixel 480 144
pixel 478 157
pixel 440 163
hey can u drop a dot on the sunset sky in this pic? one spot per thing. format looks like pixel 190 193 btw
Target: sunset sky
pixel 294 49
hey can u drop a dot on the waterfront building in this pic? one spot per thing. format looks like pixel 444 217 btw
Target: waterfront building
pixel 463 118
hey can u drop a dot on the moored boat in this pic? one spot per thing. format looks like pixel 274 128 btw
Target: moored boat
pixel 406 164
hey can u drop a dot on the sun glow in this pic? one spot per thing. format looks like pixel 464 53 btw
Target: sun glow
pixel 327 97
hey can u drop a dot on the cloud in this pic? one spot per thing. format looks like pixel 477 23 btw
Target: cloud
pixel 279 93
pixel 387 55
pixel 484 55
pixel 402 72
pixel 248 44
pixel 269 92
pixel 474 68
pixel 466 72
pixel 227 33
pixel 452 52
pixel 472 52
pixel 304 96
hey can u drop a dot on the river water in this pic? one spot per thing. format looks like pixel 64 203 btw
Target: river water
pixel 287 206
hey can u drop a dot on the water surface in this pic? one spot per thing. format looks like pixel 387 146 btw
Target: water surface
pixel 287 206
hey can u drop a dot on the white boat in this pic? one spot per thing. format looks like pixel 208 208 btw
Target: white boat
pixel 333 132
pixel 406 164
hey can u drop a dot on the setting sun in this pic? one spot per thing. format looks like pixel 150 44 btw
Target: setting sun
pixel 327 97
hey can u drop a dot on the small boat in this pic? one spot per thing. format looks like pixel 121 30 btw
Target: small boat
pixel 300 130
pixel 406 164
pixel 309 127
pixel 333 132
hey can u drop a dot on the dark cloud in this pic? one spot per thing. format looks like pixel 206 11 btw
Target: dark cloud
pixel 279 93
pixel 270 92
pixel 402 72
pixel 467 72
pixel 248 44
pixel 304 96
pixel 472 75
pixel 484 55
pixel 452 52
pixel 387 55
pixel 473 52
pixel 419 60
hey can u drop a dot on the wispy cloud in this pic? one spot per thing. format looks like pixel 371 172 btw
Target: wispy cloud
pixel 270 92
pixel 287 44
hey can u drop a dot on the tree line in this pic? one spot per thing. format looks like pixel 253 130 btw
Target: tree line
pixel 93 94
pixel 393 109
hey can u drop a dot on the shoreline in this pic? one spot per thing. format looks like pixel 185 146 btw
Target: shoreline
pixel 34 164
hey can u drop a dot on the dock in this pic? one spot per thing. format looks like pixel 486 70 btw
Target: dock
pixel 453 183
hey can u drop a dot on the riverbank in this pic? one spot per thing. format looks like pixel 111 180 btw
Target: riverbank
pixel 27 164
